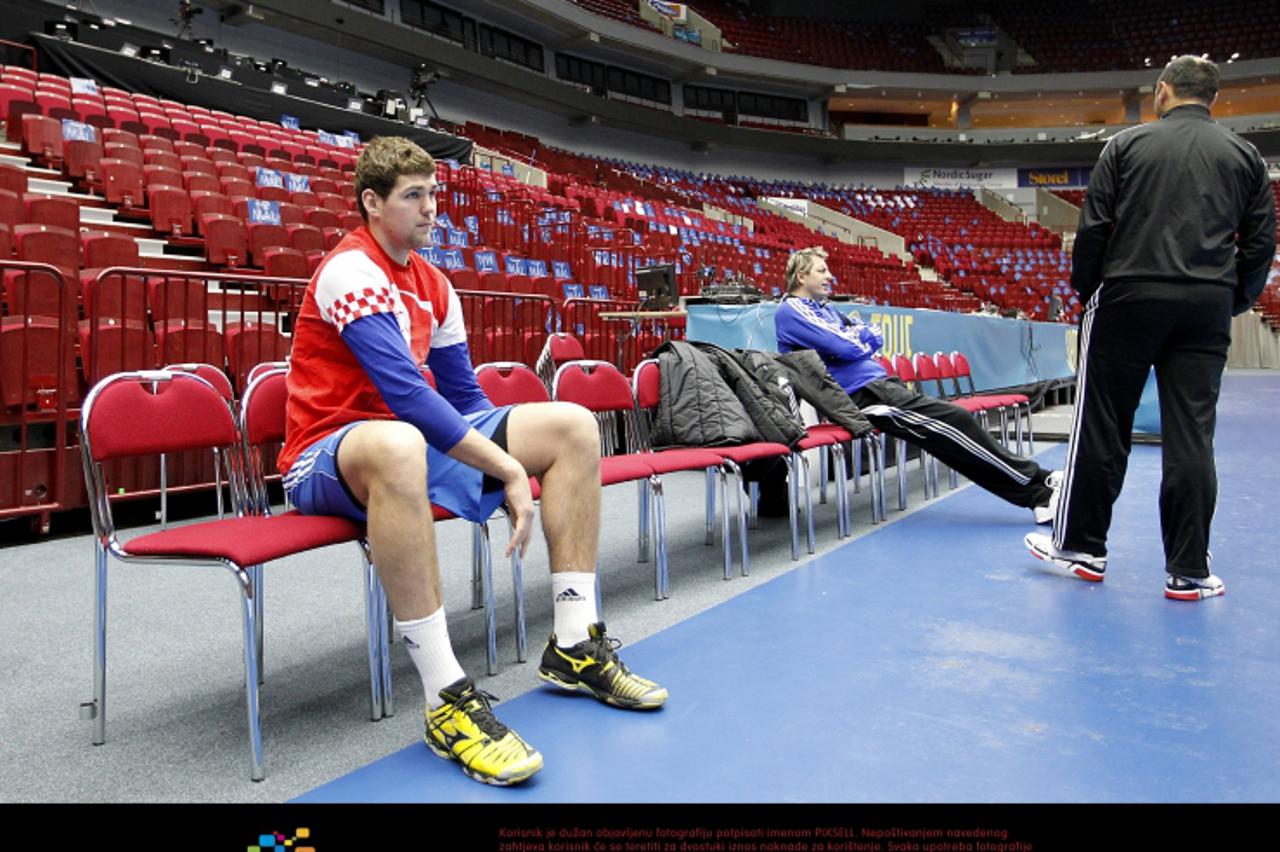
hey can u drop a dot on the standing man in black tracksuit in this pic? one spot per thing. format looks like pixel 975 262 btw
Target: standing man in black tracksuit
pixel 1176 235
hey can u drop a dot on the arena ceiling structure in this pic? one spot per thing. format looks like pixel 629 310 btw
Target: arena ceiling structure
pixel 963 116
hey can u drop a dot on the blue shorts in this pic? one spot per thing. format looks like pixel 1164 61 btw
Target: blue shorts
pixel 315 487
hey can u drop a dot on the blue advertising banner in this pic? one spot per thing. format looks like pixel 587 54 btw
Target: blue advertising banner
pixel 572 291
pixel 515 265
pixel 453 259
pixel 1055 177
pixel 561 270
pixel 486 261
pixel 1044 350
pixel 290 122
pixel 598 291
pixel 297 183
pixel 535 268
pixel 458 238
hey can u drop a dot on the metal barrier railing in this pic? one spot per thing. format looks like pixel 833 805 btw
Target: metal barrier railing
pixel 37 388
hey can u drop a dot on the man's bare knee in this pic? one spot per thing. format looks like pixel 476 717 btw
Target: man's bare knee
pixel 584 433
pixel 389 455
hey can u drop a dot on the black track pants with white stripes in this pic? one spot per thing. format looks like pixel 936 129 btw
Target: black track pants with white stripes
pixel 1184 331
pixel 957 440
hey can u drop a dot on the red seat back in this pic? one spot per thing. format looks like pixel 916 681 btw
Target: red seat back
pixel 595 385
pixel 509 383
pixel 128 417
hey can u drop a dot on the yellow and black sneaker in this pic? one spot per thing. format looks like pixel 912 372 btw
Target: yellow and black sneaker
pixel 464 729
pixel 593 665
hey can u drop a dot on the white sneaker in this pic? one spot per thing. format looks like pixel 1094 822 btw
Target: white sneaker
pixel 1044 514
pixel 1179 588
pixel 1069 563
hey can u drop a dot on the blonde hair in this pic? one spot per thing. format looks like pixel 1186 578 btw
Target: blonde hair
pixel 800 263
pixel 383 161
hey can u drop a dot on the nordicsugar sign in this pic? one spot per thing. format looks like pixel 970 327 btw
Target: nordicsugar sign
pixel 956 178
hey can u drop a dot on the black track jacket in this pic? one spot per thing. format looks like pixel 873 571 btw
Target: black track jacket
pixel 1181 199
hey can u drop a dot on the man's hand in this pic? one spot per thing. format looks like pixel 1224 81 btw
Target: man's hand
pixel 520 511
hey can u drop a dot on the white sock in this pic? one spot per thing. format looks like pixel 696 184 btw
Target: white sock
pixel 427 641
pixel 574 596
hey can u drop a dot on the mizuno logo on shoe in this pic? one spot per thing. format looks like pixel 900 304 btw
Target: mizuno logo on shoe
pixel 569 595
pixel 452 740
pixel 578 665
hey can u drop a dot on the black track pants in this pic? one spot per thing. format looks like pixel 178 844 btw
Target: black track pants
pixel 957 440
pixel 1184 331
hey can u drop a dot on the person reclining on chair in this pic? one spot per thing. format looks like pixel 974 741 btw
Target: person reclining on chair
pixel 948 432
pixel 367 438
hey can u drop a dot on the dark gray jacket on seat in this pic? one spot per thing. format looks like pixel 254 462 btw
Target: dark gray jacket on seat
pixel 707 399
pixel 810 381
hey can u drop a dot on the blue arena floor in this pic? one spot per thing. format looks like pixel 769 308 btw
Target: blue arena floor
pixel 932 661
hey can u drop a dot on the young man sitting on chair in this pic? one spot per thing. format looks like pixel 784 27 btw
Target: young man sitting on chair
pixel 369 439
pixel 946 431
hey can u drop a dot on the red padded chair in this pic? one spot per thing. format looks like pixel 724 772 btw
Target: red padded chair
pixel 171 211
pixel 559 349
pixel 184 341
pixel 600 388
pixel 83 159
pixel 29 351
pixel 225 240
pixel 1018 403
pixel 122 183
pixel 58 211
pixel 41 138
pixel 250 344
pixel 110 346
pixel 148 413
pixel 646 388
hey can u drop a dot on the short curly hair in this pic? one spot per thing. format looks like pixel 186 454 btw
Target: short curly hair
pixel 800 263
pixel 383 161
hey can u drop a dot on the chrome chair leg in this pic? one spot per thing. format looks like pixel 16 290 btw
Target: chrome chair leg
pixel 477 565
pixel 251 677
pixel 842 491
pixel 802 461
pixel 164 491
pixel 753 500
pixel 517 590
pixel 374 637
pixel 97 710
pixel 742 523
pixel 490 614
pixel 857 465
pixel 823 473
pixel 711 502
pixel 386 628
pixel 793 508
pixel 661 580
pixel 901 448
pixel 725 471
pixel 643 501
pixel 259 613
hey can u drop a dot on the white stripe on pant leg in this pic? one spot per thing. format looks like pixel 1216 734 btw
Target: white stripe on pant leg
pixel 947 431
pixel 1082 372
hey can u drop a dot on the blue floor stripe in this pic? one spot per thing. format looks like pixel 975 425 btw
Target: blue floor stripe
pixel 932 661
